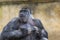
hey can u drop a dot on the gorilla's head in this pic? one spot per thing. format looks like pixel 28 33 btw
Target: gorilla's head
pixel 24 14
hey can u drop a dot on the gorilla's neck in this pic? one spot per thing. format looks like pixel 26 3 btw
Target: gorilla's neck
pixel 30 21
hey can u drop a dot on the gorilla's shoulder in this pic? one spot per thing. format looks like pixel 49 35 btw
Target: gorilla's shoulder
pixel 38 23
pixel 15 19
pixel 36 20
pixel 13 22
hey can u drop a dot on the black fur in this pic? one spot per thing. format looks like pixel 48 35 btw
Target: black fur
pixel 16 29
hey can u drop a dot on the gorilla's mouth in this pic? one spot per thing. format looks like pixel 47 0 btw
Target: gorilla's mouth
pixel 22 16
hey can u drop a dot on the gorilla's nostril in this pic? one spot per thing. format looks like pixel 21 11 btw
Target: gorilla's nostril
pixel 21 15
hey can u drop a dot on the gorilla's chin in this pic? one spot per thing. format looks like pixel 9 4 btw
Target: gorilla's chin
pixel 23 20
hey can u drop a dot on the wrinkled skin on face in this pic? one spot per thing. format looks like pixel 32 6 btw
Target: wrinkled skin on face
pixel 24 15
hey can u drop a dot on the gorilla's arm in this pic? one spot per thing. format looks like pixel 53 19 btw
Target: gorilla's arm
pixel 12 30
pixel 43 35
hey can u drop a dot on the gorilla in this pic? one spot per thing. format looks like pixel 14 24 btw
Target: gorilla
pixel 24 27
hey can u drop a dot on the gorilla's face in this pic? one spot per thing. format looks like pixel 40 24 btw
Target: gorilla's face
pixel 24 15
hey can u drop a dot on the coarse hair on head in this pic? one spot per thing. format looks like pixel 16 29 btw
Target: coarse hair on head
pixel 26 9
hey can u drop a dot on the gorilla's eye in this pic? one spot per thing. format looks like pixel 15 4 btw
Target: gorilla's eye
pixel 23 11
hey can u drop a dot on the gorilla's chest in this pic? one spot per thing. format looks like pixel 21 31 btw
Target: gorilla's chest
pixel 29 27
pixel 26 26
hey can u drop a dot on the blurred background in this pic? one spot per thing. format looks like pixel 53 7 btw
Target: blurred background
pixel 48 11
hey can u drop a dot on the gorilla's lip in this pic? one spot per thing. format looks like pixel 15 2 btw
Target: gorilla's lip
pixel 22 16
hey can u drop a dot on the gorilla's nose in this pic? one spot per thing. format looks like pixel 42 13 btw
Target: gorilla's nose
pixel 22 15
